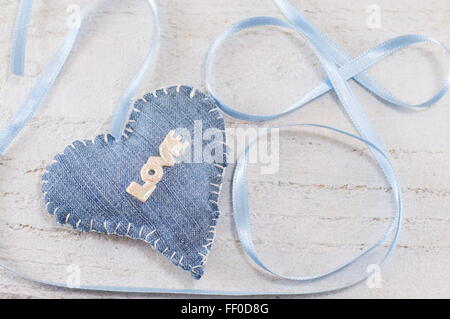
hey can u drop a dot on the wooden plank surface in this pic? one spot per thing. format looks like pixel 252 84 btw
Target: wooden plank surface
pixel 326 202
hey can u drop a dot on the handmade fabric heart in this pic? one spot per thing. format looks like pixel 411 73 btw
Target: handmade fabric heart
pixel 159 183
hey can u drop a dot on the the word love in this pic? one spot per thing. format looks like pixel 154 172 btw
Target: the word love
pixel 152 172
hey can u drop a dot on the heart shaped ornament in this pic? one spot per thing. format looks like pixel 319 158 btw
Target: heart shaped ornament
pixel 159 183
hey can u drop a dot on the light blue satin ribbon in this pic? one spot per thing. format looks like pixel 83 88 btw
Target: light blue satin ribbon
pixel 242 214
pixel 19 38
pixel 339 68
pixel 354 69
pixel 48 77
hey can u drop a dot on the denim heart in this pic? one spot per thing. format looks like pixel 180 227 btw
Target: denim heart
pixel 86 185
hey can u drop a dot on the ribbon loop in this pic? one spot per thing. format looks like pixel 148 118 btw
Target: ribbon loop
pixel 351 69
pixel 243 223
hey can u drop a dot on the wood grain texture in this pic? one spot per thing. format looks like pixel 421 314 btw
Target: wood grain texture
pixel 327 202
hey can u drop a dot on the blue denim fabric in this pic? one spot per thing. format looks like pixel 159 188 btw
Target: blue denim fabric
pixel 85 186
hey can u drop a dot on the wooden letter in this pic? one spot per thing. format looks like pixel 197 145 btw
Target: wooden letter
pixel 152 172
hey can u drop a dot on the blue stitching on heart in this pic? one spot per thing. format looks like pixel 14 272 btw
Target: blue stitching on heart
pixel 143 232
